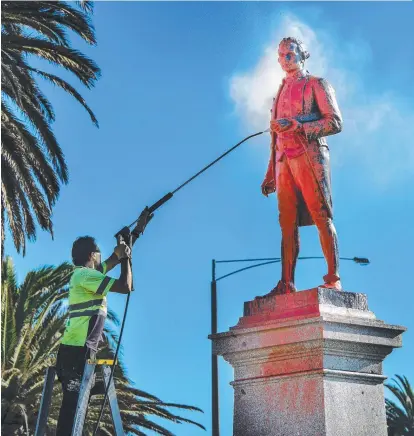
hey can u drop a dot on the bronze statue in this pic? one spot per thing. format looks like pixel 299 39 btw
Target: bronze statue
pixel 304 112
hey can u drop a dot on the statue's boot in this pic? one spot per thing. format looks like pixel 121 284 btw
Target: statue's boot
pixel 283 288
pixel 332 281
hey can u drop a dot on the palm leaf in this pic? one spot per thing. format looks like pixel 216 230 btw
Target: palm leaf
pixel 400 416
pixel 33 162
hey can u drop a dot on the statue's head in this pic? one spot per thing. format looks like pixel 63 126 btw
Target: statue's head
pixel 292 54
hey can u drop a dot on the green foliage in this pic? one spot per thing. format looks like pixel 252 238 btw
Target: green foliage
pixel 32 162
pixel 400 416
pixel 33 315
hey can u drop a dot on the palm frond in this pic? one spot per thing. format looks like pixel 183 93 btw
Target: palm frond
pixel 72 60
pixel 400 416
pixel 68 88
pixel 32 159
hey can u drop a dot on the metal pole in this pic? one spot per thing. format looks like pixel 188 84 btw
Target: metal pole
pixel 215 422
pixel 45 402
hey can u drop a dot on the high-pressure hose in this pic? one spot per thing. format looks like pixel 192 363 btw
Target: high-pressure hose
pixel 301 118
pixel 121 235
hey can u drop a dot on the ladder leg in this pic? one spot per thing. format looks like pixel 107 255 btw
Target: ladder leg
pixel 41 424
pixel 83 401
pixel 113 401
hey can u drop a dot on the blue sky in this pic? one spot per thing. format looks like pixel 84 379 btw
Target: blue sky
pixel 181 83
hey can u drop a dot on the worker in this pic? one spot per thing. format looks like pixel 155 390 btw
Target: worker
pixel 88 288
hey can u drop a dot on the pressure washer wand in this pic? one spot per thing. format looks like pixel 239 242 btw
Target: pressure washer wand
pixel 168 196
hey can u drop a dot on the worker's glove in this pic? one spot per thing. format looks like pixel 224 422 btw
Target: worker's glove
pixel 143 220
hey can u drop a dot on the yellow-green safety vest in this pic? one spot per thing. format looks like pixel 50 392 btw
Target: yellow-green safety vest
pixel 87 297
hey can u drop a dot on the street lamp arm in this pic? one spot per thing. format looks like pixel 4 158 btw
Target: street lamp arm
pixel 248 260
pixel 248 267
pixel 270 260
pixel 360 260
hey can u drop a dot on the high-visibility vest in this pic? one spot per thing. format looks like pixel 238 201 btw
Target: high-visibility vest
pixel 87 297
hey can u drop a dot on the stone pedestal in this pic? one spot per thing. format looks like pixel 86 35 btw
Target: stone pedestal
pixel 308 364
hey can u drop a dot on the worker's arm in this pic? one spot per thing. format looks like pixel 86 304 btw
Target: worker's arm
pixel 109 263
pixel 114 259
pixel 94 281
pixel 123 285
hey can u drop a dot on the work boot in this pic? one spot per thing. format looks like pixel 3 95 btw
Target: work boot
pixel 332 281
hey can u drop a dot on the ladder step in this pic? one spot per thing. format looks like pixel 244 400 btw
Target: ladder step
pixel 100 362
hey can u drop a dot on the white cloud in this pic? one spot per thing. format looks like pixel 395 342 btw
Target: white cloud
pixel 378 134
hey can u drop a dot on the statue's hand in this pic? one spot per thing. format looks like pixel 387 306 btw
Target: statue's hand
pixel 281 125
pixel 295 126
pixel 268 188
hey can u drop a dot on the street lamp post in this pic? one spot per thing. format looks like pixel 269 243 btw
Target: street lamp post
pixel 215 418
pixel 214 357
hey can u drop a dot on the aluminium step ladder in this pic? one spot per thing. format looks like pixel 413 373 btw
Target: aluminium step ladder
pixel 84 394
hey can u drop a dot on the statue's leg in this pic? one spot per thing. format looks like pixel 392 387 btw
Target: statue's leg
pixel 329 243
pixel 288 213
pixel 305 179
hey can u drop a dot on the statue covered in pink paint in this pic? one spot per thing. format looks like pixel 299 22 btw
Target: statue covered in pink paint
pixel 303 113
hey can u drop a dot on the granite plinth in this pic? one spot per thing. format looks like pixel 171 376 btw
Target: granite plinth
pixel 312 302
pixel 308 364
